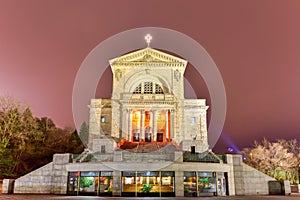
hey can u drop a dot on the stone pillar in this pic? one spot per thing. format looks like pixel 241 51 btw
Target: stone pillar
pixel 60 173
pixel 179 189
pixel 126 130
pixel 151 125
pixel 203 127
pixel 8 186
pixel 167 125
pixel 117 183
pixel 124 122
pixel 142 128
pixel 231 179
pixel 94 122
pixel 154 125
pixel 130 125
pixel 172 124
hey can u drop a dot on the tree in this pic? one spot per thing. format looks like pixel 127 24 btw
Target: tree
pixel 27 142
pixel 75 144
pixel 11 137
pixel 278 159
pixel 84 133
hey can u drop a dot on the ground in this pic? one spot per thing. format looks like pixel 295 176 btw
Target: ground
pixel 57 197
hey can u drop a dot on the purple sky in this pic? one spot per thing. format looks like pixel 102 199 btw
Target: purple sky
pixel 255 44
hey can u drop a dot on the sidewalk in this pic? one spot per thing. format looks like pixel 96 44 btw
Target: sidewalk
pixel 63 197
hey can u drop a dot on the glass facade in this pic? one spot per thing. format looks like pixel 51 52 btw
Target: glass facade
pixel 90 183
pixel 148 184
pixel 205 184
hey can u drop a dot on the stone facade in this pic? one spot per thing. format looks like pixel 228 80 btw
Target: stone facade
pixel 149 84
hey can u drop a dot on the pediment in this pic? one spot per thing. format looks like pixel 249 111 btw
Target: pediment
pixel 148 55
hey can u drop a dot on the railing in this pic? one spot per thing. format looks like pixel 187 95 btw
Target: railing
pixel 126 156
pixel 148 97
pixel 155 156
pixel 104 157
pixel 93 157
pixel 203 157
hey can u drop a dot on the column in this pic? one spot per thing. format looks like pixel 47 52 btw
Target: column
pixel 142 128
pixel 154 125
pixel 124 122
pixel 117 183
pixel 201 127
pixel 167 125
pixel 151 125
pixel 179 189
pixel 130 125
pixel 172 124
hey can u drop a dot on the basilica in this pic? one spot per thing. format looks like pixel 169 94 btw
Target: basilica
pixel 148 104
pixel 147 140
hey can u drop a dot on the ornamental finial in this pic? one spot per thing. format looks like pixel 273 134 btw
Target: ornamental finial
pixel 148 39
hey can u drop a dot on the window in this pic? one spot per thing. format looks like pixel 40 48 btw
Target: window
pixel 138 89
pixel 102 119
pixel 194 120
pixel 158 89
pixel 193 149
pixel 148 88
pixel 102 148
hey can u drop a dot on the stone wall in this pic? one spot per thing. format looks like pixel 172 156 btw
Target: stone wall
pixel 109 145
pixel 49 179
pixel 38 181
pixel 249 181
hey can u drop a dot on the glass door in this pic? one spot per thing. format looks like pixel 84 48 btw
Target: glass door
pixel 105 183
pixel 221 184
pixel 168 184
pixel 207 184
pixel 148 184
pixel 190 184
pixel 88 183
pixel 73 188
pixel 129 184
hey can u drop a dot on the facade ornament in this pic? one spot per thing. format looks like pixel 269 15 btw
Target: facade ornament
pixel 118 74
pixel 177 75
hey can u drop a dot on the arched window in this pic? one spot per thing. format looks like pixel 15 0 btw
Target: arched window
pixel 148 88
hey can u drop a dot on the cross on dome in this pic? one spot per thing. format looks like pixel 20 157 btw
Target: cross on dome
pixel 148 39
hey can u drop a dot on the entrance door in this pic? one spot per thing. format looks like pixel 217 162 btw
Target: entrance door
pixel 148 184
pixel 88 183
pixel 136 137
pixel 160 137
pixel 73 188
pixel 105 184
pixel 147 137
